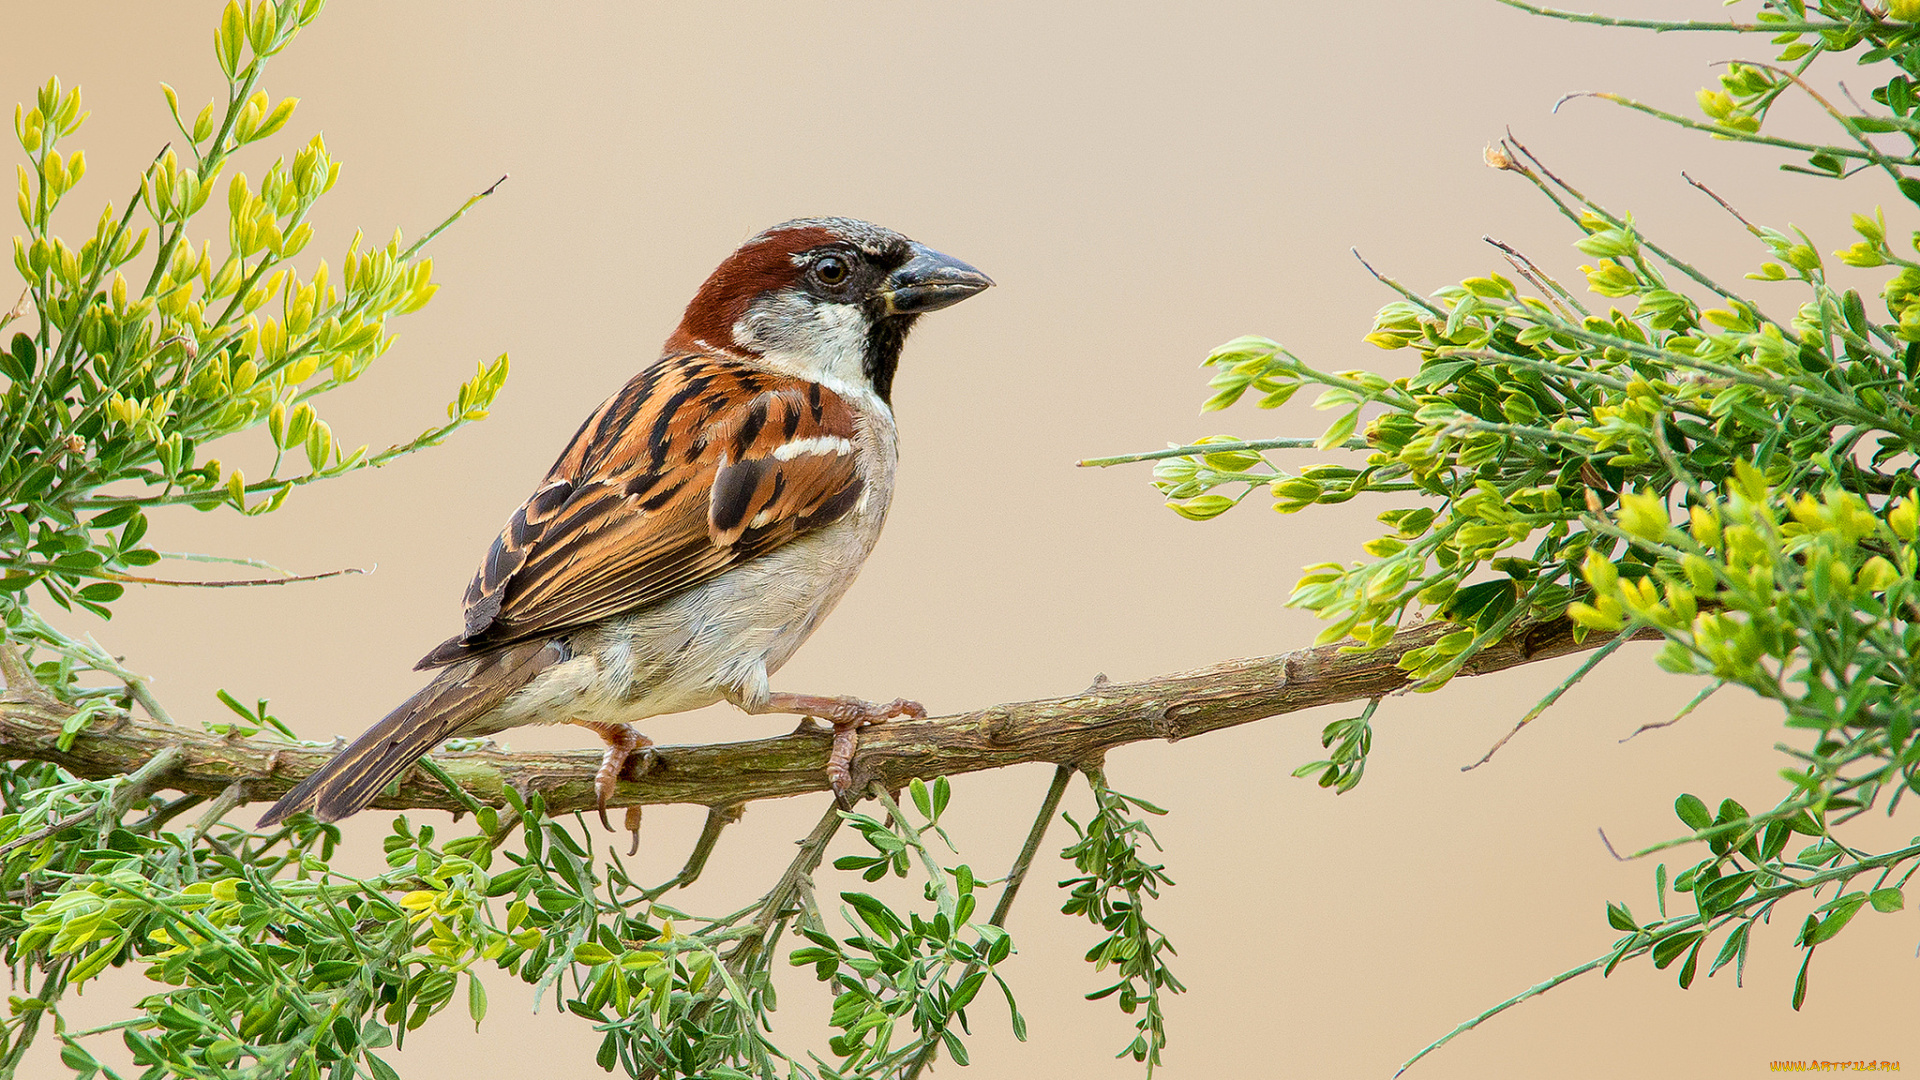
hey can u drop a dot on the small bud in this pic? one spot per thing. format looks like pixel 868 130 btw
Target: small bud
pixel 1877 575
pixel 1903 517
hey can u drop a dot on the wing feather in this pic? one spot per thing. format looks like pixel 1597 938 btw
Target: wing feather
pixel 698 464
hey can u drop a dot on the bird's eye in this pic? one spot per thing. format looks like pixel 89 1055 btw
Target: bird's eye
pixel 830 270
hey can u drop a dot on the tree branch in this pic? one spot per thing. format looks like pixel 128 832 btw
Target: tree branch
pixel 1065 731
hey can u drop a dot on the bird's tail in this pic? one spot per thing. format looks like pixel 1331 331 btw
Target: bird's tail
pixel 458 695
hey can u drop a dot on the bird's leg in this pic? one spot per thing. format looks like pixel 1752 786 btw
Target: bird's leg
pixel 847 715
pixel 622 740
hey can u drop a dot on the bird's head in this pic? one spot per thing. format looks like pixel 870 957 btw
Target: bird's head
pixel 830 299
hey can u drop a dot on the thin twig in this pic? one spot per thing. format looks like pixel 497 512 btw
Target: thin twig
pixel 166 813
pixel 812 849
pixel 1879 156
pixel 235 794
pixel 1411 296
pixel 1698 698
pixel 137 685
pixel 1196 449
pixel 407 255
pixel 1851 100
pixel 235 560
pixel 59 826
pixel 1617 857
pixel 1785 26
pixel 142 781
pixel 1531 992
pixel 1661 253
pixel 1035 836
pixel 1549 288
pixel 234 583
pixel 19 674
pixel 718 818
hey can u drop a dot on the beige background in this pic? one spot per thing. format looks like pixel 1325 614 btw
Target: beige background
pixel 1144 182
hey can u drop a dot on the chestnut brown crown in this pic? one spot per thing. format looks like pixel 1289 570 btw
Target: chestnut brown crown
pixel 832 298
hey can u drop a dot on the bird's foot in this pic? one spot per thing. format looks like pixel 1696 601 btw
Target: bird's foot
pixel 846 739
pixel 847 715
pixel 622 742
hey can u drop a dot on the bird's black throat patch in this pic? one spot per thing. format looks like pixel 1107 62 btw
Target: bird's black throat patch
pixel 886 337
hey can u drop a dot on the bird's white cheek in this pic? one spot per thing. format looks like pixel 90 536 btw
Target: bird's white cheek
pixel 840 333
pixel 826 343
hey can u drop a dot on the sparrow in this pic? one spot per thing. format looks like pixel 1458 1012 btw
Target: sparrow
pixel 699 525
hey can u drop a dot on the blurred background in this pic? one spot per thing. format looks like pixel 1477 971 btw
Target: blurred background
pixel 1144 182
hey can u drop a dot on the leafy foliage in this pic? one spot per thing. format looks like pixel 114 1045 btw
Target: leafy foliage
pixel 126 384
pixel 132 370
pixel 1668 457
pixel 919 972
pixel 1110 891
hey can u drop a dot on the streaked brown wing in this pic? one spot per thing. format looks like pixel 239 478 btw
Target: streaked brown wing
pixel 697 465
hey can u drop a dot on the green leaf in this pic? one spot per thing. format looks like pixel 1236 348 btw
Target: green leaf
pixel 1776 837
pixel 229 38
pixel 1668 948
pixel 1013 1010
pixel 103 592
pixel 380 1069
pixel 1692 812
pixel 476 1000
pixel 1887 901
pixel 608 1054
pixel 1693 962
pixel 1840 912
pixel 875 914
pixel 1339 431
pixel 964 993
pixel 1620 918
pixel 1438 373
pixel 1731 948
pixel 77 1059
pixel 1721 893
pixel 23 354
pixel 955 1048
pixel 333 971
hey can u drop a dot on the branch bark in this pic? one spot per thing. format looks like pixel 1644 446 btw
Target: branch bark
pixel 1065 731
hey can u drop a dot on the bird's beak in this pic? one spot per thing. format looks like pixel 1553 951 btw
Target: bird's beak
pixel 928 282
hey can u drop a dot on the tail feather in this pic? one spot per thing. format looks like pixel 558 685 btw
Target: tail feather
pixel 456 697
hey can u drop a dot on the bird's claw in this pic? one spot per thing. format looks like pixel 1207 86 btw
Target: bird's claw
pixel 852 715
pixel 632 824
pixel 622 742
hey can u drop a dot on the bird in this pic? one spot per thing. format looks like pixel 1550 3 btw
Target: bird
pixel 698 526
